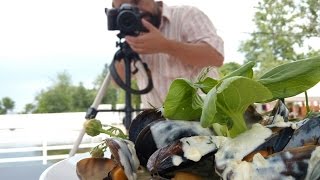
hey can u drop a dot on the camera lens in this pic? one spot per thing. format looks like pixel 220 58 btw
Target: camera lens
pixel 128 22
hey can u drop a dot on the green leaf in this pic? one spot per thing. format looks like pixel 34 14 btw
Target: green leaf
pixel 221 130
pixel 292 78
pixel 245 71
pixel 206 84
pixel 230 98
pixel 182 101
pixel 197 101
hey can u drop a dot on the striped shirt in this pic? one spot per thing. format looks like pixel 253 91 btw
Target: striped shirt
pixel 184 24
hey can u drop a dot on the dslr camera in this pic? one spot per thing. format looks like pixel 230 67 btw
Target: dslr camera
pixel 127 19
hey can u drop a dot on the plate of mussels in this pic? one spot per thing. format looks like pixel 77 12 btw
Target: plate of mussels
pixel 201 155
pixel 218 135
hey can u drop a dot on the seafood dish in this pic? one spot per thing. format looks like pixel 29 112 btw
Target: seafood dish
pixel 275 148
pixel 221 136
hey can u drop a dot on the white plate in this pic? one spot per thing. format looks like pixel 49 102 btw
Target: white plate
pixel 65 169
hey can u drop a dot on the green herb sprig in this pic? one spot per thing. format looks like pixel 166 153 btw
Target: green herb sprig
pixel 93 127
pixel 224 101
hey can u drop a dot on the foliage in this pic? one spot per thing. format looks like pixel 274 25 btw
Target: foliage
pixel 293 78
pixel 115 95
pixel 6 104
pixel 282 28
pixel 111 95
pixel 228 99
pixel 228 68
pixel 29 108
pixel 62 96
pixel 226 103
pixel 57 97
pixel 81 98
pixel 180 100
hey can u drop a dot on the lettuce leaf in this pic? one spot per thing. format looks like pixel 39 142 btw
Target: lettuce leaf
pixel 229 99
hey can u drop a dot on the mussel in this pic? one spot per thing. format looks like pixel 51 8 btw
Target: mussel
pixel 142 120
pixel 194 154
pixel 95 168
pixel 273 148
pixel 124 154
pixel 308 133
pixel 288 164
pixel 161 133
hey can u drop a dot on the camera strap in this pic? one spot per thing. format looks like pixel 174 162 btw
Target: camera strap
pixel 140 66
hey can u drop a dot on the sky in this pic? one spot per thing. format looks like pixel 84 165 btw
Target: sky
pixel 41 38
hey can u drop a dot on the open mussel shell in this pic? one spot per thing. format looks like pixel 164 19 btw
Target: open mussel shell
pixel 142 120
pixel 184 154
pixel 278 116
pixel 314 165
pixel 161 133
pixel 308 133
pixel 124 154
pixel 288 164
pixel 145 144
pixel 94 168
pixel 237 148
pixel 296 160
pixel 273 144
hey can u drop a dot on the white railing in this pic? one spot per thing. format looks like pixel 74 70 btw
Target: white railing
pixel 44 149
pixel 38 134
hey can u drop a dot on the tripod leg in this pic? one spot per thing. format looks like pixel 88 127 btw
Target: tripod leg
pixel 93 108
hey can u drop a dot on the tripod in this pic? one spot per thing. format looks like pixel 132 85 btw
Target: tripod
pixel 126 54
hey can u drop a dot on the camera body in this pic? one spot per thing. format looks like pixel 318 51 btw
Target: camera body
pixel 127 19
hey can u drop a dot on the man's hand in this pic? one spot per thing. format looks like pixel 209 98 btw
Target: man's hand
pixel 148 43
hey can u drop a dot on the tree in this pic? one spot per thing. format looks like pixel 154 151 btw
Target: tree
pixel 81 98
pixel 29 108
pixel 6 104
pixel 62 96
pixel 112 91
pixel 114 94
pixel 57 97
pixel 282 27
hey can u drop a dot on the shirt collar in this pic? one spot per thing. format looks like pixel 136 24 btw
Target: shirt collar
pixel 166 13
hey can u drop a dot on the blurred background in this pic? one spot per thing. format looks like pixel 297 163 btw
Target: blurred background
pixel 54 55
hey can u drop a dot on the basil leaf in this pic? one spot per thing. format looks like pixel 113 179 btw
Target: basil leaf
pixel 206 84
pixel 221 130
pixel 292 78
pixel 245 71
pixel 182 101
pixel 230 98
pixel 197 101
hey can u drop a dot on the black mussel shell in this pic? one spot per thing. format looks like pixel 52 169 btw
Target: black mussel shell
pixel 141 121
pixel 161 133
pixel 277 141
pixel 191 154
pixel 145 144
pixel 308 133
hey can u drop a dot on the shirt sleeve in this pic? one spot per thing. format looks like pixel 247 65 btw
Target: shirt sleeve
pixel 197 27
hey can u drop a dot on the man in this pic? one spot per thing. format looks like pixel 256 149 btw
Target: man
pixel 181 41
